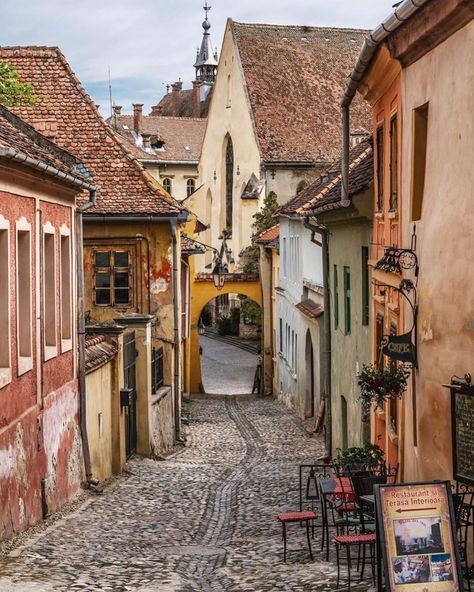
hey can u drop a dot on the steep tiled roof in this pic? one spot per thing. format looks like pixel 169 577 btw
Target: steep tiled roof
pixel 68 115
pixel 177 133
pixel 181 104
pixel 269 235
pixel 190 246
pixel 295 78
pixel 326 191
pixel 310 308
pixel 328 194
pixel 98 352
pixel 17 137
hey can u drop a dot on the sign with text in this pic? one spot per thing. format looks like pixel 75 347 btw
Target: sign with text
pixel 417 536
pixel 400 347
pixel 462 407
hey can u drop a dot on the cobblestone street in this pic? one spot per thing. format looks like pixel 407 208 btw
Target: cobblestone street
pixel 204 520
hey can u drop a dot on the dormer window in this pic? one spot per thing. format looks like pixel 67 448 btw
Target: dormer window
pixel 190 187
pixel 167 185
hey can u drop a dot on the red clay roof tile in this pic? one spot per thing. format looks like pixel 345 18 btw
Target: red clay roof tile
pixel 295 78
pixel 123 187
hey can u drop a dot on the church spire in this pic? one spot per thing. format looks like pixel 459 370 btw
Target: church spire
pixel 206 59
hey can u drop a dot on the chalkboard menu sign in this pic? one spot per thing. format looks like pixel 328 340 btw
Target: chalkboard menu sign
pixel 462 408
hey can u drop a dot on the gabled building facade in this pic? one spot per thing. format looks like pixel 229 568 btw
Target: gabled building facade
pixel 40 440
pixel 132 251
pixel 349 231
pixel 273 124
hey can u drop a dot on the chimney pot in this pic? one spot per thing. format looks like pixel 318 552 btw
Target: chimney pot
pixel 146 141
pixel 138 117
pixel 177 86
pixel 117 109
pixel 197 98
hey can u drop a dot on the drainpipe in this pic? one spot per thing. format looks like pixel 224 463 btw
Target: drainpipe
pixel 82 336
pixel 403 12
pixel 177 414
pixel 323 231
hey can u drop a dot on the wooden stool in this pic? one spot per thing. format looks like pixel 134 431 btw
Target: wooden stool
pixel 288 517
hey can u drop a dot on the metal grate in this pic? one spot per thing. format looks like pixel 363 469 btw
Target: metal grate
pixel 156 369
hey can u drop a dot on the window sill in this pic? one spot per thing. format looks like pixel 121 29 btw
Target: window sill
pixel 66 345
pixel 379 215
pixel 160 394
pixel 5 376
pixel 25 364
pixel 50 352
pixel 392 215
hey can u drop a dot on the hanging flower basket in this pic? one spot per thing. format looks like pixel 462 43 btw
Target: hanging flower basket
pixel 378 385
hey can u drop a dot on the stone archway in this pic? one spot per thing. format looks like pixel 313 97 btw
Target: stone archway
pixel 202 292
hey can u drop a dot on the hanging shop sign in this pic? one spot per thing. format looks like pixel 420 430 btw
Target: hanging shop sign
pixel 462 428
pixel 400 347
pixel 417 537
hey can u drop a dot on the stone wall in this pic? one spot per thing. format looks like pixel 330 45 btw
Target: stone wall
pixel 162 422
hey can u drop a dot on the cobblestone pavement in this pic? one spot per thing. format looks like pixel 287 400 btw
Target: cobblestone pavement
pixel 226 368
pixel 201 521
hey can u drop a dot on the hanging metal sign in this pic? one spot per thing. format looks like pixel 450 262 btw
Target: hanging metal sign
pixel 417 537
pixel 399 347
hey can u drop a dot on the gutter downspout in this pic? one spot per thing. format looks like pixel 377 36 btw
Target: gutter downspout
pixel 82 335
pixel 177 402
pixel 323 231
pixel 403 12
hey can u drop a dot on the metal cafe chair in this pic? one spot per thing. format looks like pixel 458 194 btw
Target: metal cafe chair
pixel 463 500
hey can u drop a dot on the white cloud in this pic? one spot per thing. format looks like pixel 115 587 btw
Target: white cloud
pixel 149 43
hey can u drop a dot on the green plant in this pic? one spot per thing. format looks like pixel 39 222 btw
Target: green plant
pixel 368 456
pixel 378 384
pixel 14 93
pixel 251 312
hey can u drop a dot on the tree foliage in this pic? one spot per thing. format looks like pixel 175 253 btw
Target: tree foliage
pixel 13 92
pixel 263 220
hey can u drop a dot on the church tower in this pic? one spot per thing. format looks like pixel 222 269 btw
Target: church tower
pixel 206 59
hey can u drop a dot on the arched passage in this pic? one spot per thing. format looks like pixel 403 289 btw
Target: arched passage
pixel 230 343
pixel 202 292
pixel 309 359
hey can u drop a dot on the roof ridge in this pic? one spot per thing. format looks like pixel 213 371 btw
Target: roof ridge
pixel 307 27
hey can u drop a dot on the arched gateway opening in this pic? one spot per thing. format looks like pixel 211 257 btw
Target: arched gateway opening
pixel 230 344
pixel 203 293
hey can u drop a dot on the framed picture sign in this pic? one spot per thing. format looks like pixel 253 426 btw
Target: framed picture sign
pixel 417 537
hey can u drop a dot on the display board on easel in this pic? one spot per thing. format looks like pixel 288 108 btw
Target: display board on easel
pixel 417 537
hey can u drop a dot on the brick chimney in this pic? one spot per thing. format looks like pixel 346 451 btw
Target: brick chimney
pixel 138 117
pixel 176 87
pixel 117 109
pixel 196 98
pixel 146 141
pixel 156 110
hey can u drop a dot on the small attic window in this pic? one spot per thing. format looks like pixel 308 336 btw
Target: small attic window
pixel 353 41
pixel 187 148
pixel 125 127
pixel 304 39
pixel 284 38
pixel 327 39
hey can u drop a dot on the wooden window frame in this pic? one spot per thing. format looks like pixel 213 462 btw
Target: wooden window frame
pixel 167 185
pixel 112 269
pixel 25 362
pixel 380 146
pixel 336 298
pixel 66 289
pixel 50 312
pixel 393 199
pixel 347 301
pixel 365 286
pixel 190 187
pixel 5 305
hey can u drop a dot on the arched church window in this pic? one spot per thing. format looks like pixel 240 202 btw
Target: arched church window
pixel 229 183
pixel 190 186
pixel 167 185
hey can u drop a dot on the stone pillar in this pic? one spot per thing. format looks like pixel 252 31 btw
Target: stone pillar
pixel 141 324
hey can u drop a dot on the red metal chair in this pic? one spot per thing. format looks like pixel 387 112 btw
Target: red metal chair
pixel 292 517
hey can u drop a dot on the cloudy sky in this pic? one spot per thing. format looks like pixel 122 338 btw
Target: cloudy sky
pixel 151 43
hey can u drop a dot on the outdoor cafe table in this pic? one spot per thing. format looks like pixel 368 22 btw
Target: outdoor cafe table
pixel 333 489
